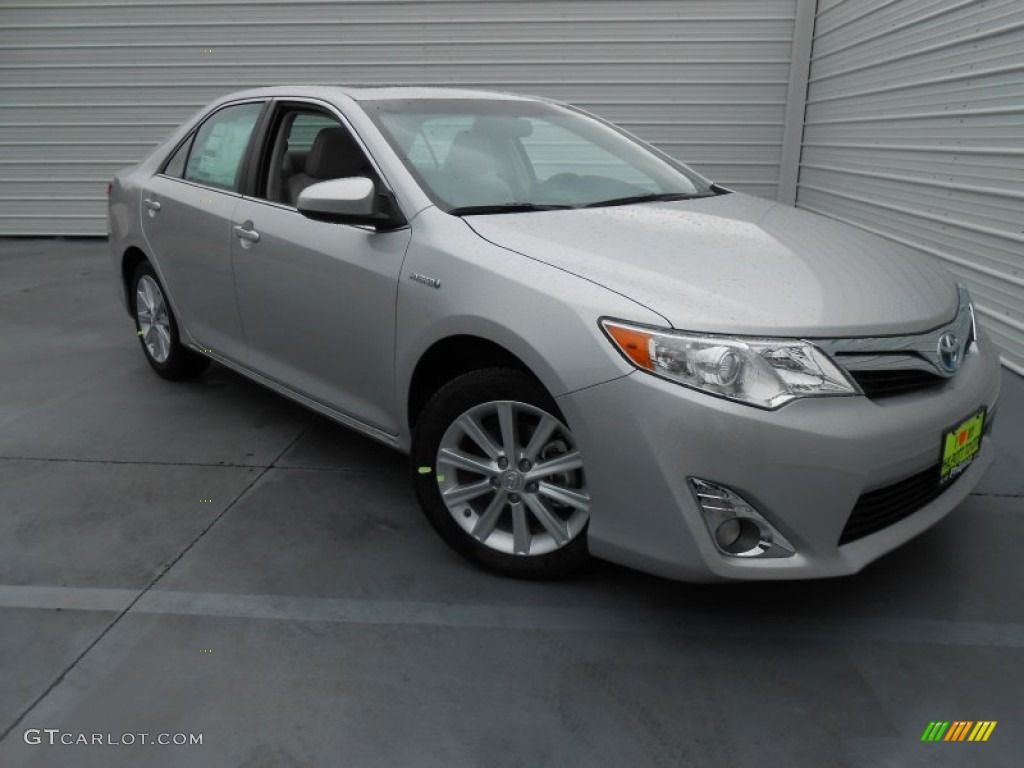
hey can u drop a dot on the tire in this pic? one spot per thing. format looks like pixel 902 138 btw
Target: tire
pixel 525 519
pixel 158 329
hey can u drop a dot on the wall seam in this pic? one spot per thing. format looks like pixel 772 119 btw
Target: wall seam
pixel 796 100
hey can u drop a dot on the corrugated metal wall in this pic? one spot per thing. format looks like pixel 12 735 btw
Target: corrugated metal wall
pixel 87 87
pixel 914 128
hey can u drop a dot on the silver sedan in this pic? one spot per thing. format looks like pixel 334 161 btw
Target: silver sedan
pixel 585 347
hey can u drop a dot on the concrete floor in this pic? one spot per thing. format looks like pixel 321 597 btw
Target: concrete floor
pixel 207 558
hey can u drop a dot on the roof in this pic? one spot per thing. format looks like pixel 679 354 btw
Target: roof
pixel 380 92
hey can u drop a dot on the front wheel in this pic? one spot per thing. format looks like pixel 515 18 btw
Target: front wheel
pixel 500 477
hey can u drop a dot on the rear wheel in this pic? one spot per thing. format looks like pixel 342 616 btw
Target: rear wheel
pixel 500 477
pixel 158 330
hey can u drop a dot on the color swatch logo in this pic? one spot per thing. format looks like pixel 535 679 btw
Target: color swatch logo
pixel 959 730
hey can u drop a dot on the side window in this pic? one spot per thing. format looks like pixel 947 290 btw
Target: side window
pixel 309 146
pixel 176 165
pixel 304 129
pixel 219 146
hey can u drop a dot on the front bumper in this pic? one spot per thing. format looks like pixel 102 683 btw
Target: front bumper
pixel 803 467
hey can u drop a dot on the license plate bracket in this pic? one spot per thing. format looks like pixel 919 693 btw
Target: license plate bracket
pixel 960 446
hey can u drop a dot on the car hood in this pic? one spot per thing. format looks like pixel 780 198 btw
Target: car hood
pixel 738 264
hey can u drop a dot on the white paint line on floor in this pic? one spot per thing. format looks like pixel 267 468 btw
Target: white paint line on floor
pixel 66 598
pixel 521 617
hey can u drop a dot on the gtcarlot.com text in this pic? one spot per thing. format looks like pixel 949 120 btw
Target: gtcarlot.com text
pixel 55 736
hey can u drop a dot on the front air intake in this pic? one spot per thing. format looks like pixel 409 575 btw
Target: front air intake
pixel 883 507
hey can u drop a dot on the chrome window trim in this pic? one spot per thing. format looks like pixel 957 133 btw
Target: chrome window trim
pixel 197 185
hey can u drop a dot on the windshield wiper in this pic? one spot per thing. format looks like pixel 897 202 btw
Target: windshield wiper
pixel 468 210
pixel 649 197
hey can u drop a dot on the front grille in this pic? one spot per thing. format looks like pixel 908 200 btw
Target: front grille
pixel 887 366
pixel 881 508
pixel 884 383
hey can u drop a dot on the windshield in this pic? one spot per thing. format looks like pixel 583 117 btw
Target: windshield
pixel 501 155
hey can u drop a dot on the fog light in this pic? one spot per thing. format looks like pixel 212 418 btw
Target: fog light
pixel 740 536
pixel 737 529
pixel 728 533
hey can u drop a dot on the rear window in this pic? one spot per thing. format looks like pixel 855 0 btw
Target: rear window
pixel 220 144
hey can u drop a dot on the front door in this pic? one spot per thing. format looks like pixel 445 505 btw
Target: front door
pixel 317 299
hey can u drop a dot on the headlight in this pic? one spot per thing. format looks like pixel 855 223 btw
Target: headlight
pixel 767 373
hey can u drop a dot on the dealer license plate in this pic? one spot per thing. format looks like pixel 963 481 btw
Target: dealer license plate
pixel 960 445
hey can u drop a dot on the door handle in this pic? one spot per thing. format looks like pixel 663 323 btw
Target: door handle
pixel 153 205
pixel 247 234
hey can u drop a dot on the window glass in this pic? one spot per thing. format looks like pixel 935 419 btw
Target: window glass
pixel 553 150
pixel 292 165
pixel 305 127
pixel 494 152
pixel 176 165
pixel 430 144
pixel 286 173
pixel 220 144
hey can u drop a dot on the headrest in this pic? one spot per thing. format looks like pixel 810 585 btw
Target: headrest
pixel 469 155
pixel 335 155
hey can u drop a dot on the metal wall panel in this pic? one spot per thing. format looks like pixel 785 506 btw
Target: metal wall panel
pixel 88 87
pixel 914 128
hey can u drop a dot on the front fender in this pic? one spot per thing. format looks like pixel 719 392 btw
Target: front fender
pixel 454 282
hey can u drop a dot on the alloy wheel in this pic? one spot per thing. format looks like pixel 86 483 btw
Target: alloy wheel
pixel 153 318
pixel 510 474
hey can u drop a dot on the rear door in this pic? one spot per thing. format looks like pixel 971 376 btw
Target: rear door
pixel 186 214
pixel 317 299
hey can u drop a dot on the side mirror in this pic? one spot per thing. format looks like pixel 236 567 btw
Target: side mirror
pixel 354 200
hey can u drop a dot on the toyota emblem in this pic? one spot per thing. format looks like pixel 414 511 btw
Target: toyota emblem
pixel 949 352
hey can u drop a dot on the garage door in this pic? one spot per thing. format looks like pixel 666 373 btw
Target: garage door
pixel 89 87
pixel 914 129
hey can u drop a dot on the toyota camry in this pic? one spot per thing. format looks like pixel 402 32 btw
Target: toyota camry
pixel 585 347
